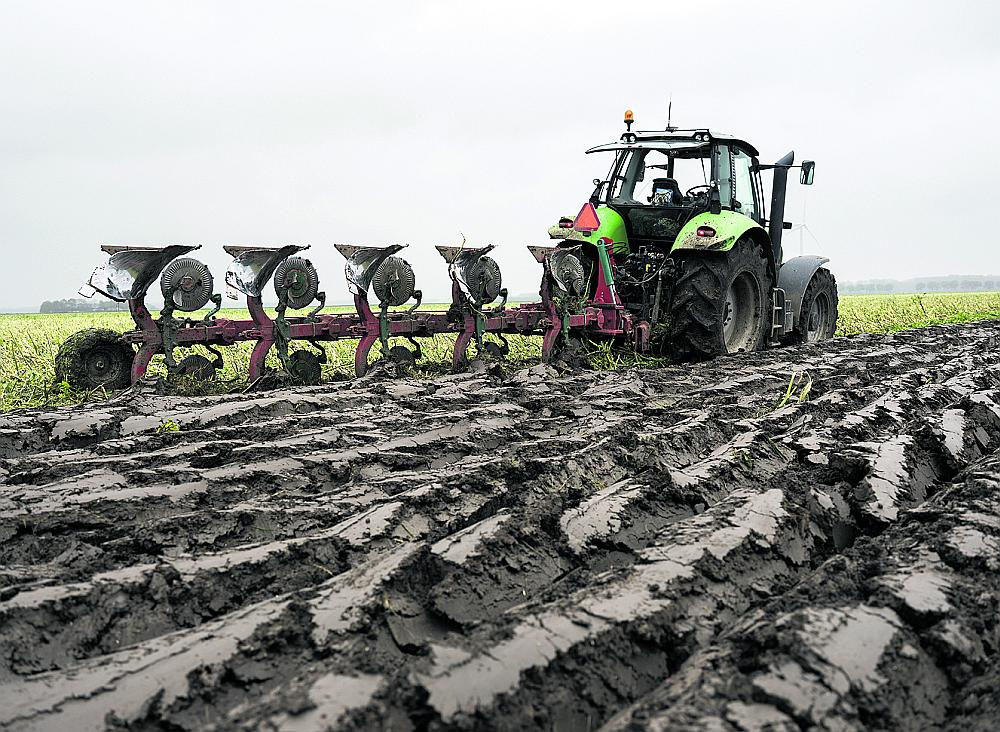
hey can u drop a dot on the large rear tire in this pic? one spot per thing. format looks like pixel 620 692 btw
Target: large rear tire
pixel 818 314
pixel 721 303
pixel 95 357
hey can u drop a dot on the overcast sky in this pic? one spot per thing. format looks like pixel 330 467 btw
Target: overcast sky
pixel 391 122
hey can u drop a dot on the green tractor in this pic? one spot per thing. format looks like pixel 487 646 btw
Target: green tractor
pixel 678 241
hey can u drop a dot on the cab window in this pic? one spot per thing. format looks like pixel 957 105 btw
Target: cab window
pixel 744 189
pixel 659 178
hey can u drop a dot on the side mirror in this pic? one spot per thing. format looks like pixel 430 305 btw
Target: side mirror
pixel 808 172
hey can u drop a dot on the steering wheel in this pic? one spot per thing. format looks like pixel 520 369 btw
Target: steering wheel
pixel 687 193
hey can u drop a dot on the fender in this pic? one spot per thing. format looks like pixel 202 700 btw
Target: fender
pixel 612 227
pixel 729 227
pixel 794 277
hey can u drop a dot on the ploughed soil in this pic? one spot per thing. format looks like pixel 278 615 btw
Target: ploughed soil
pixel 679 548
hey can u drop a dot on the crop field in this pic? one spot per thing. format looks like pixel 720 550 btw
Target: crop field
pixel 28 343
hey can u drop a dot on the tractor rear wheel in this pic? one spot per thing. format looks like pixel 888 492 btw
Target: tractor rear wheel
pixel 95 357
pixel 818 315
pixel 721 303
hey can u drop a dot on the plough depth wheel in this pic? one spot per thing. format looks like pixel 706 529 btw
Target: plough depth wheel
pixel 305 367
pixel 195 367
pixel 95 357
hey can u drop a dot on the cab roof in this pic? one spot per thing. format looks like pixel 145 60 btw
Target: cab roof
pixel 672 140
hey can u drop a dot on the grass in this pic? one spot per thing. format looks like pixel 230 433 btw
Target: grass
pixel 28 343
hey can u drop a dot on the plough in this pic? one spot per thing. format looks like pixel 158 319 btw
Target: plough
pixel 478 309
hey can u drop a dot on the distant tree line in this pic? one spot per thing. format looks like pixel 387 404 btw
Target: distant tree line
pixel 948 283
pixel 79 305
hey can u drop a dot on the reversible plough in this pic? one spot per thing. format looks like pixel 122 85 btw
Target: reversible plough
pixel 478 310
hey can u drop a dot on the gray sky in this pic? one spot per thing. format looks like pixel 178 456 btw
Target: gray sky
pixel 377 123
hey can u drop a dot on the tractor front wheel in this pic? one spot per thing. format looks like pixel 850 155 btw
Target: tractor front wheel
pixel 721 303
pixel 95 357
pixel 818 315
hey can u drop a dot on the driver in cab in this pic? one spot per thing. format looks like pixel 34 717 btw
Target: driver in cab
pixel 665 192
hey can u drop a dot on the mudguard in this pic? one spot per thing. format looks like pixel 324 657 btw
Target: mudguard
pixel 612 226
pixel 729 227
pixel 794 277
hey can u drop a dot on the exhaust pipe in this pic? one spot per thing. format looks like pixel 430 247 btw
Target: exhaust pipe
pixel 778 185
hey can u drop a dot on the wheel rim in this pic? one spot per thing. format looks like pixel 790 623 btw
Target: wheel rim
pixel 819 314
pixel 101 365
pixel 741 312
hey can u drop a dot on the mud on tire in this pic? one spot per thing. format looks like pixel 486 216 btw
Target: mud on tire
pixel 702 314
pixel 818 314
pixel 95 357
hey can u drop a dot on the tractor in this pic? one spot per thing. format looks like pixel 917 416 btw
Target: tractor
pixel 676 246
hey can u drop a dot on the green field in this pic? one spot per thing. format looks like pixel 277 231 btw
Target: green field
pixel 28 343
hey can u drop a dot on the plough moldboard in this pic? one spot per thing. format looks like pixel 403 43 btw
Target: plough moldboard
pixel 381 282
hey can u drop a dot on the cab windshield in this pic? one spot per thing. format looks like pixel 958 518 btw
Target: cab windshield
pixel 658 177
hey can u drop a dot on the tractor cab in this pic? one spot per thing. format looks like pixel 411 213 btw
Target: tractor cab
pixel 659 181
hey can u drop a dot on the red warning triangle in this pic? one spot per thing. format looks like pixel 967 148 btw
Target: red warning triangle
pixel 587 219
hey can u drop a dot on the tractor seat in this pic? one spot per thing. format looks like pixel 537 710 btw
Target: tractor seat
pixel 666 192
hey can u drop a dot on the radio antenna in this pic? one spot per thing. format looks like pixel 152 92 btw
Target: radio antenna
pixel 670 110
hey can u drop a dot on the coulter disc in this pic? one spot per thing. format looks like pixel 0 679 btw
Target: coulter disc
pixel 488 280
pixel 568 273
pixel 188 283
pixel 298 280
pixel 495 350
pixel 394 281
pixel 402 356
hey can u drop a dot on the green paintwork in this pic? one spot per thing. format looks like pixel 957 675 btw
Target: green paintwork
pixel 729 227
pixel 612 226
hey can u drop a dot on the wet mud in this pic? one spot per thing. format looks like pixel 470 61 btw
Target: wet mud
pixel 678 548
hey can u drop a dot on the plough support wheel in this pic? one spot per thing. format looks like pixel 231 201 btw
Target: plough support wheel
pixel 95 357
pixel 305 367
